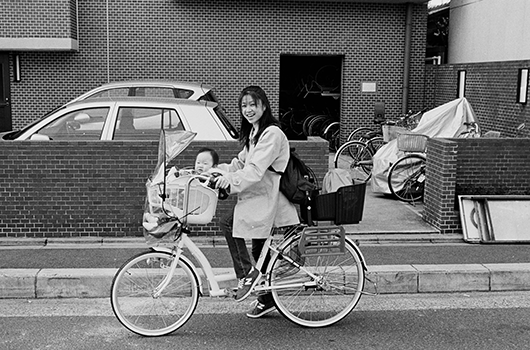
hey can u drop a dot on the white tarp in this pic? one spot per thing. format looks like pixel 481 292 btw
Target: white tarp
pixel 445 121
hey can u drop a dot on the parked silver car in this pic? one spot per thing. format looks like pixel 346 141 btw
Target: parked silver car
pixel 152 88
pixel 128 118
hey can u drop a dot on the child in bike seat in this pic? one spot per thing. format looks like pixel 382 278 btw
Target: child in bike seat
pixel 206 159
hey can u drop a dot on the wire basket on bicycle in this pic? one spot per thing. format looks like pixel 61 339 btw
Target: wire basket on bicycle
pixel 412 142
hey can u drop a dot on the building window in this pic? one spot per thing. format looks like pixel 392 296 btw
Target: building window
pixel 522 85
pixel 461 84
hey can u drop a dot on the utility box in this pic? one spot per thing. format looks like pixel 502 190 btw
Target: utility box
pixel 379 112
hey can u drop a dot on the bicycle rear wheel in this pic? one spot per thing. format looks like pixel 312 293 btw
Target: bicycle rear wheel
pixel 133 296
pixel 406 178
pixel 355 157
pixel 338 287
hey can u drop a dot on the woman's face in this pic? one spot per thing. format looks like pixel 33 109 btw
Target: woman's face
pixel 252 110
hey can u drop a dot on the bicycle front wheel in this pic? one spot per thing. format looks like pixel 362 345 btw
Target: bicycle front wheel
pixel 359 134
pixel 319 302
pixel 375 143
pixel 139 307
pixel 355 157
pixel 406 178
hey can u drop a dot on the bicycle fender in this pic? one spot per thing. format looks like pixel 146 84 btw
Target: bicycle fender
pixel 358 250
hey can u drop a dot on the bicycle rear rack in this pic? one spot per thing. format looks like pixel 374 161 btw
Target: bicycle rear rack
pixel 322 240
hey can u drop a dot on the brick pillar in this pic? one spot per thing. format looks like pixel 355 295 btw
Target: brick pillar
pixel 439 209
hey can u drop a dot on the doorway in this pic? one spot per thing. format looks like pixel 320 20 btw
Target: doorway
pixel 5 96
pixel 310 91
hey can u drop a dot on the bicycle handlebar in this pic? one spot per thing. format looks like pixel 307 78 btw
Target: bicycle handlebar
pixel 208 181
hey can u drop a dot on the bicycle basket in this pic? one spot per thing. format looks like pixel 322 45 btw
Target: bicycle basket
pixel 412 142
pixel 202 201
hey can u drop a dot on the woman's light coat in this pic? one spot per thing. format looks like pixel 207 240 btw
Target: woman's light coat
pixel 260 204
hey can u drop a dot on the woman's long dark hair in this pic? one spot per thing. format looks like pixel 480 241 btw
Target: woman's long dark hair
pixel 267 119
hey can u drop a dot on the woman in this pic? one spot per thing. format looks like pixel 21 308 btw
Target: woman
pixel 260 204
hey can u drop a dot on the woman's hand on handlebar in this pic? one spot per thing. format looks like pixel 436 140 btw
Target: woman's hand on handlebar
pixel 219 182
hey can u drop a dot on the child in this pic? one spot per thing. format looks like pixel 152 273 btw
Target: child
pixel 205 160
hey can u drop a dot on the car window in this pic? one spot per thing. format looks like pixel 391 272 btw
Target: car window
pixel 83 124
pixel 118 92
pixel 139 123
pixel 152 92
pixel 182 93
pixel 226 122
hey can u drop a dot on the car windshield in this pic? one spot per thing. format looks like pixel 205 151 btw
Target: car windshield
pixel 13 135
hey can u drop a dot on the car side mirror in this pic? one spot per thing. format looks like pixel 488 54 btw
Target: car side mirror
pixel 39 137
pixel 82 117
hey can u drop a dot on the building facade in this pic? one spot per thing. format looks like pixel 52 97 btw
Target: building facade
pixel 489 31
pixel 367 51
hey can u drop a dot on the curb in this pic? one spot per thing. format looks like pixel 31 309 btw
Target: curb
pixel 215 241
pixel 390 279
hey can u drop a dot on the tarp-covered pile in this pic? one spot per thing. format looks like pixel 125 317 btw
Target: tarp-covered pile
pixel 445 121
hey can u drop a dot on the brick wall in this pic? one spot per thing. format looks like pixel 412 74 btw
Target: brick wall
pixel 38 19
pixel 491 89
pixel 479 166
pixel 63 189
pixel 229 44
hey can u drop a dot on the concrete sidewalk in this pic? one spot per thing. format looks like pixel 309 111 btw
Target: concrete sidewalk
pixel 403 253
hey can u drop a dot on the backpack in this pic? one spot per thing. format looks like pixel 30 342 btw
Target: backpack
pixel 298 180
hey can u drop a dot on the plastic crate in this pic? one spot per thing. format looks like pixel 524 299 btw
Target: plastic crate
pixel 343 207
pixel 412 142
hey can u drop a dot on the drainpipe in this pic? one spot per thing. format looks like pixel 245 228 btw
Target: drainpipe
pixel 406 69
pixel 108 43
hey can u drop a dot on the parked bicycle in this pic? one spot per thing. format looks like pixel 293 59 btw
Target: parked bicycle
pixel 406 177
pixel 356 153
pixel 407 121
pixel 472 130
pixel 315 273
pixel 325 126
pixel 356 157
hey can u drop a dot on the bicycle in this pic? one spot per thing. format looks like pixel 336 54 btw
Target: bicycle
pixel 472 130
pixel 315 273
pixel 406 177
pixel 407 121
pixel 356 157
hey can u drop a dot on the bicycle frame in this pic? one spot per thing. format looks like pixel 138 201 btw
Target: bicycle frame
pixel 213 279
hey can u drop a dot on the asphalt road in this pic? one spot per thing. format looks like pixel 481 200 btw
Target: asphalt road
pixel 427 321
